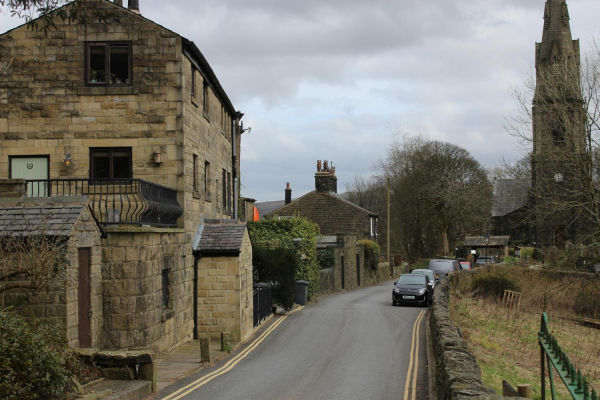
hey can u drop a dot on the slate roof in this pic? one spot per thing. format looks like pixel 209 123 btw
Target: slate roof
pixel 509 195
pixel 220 236
pixel 266 207
pixel 23 218
pixel 479 241
pixel 339 197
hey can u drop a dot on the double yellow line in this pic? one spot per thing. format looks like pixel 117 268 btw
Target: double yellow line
pixel 414 360
pixel 230 364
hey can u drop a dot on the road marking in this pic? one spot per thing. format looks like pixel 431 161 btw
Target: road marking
pixel 414 357
pixel 230 364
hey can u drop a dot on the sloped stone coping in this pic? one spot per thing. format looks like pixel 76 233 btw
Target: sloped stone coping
pixel 457 374
pixel 122 365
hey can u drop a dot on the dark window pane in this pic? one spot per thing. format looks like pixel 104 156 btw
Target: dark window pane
pixel 101 162
pixel 121 163
pixel 97 64
pixel 119 65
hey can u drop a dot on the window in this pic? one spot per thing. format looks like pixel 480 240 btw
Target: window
pixel 224 189
pixel 229 191
pixel 193 81
pixel 112 163
pixel 205 97
pixel 195 172
pixel 108 63
pixel 166 295
pixel 207 178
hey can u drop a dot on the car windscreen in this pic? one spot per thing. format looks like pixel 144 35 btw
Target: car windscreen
pixel 423 272
pixel 443 266
pixel 411 280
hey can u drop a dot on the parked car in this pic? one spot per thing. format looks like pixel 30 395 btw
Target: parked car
pixel 441 268
pixel 468 265
pixel 485 260
pixel 412 288
pixel 429 273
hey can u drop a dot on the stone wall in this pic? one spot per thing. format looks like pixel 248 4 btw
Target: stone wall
pixel 457 374
pixel 225 294
pixel 327 281
pixel 348 250
pixel 132 272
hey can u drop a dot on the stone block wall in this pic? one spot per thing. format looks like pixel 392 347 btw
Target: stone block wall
pixel 132 273
pixel 457 374
pixel 348 249
pixel 225 294
pixel 327 281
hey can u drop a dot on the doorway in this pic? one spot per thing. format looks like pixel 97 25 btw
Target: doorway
pixel 83 297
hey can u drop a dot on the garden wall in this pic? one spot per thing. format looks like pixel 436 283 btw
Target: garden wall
pixel 457 375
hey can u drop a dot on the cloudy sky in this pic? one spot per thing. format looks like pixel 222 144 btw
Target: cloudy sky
pixel 337 79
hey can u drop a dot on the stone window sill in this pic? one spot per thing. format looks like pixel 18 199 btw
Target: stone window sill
pixel 207 199
pixel 206 116
pixel 167 314
pixel 195 102
pixel 197 195
pixel 106 90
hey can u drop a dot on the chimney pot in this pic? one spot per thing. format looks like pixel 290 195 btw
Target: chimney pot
pixel 134 5
pixel 318 165
pixel 326 166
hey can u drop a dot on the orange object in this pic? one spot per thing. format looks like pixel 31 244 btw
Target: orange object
pixel 256 216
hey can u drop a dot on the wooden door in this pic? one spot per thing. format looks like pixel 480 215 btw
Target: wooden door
pixel 84 328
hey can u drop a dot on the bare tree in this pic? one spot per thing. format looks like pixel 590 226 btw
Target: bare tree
pixel 441 193
pixel 29 261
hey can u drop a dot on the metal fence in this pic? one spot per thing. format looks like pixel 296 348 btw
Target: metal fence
pixel 116 201
pixel 263 302
pixel 558 360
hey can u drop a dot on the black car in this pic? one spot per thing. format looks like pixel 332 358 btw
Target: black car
pixel 412 288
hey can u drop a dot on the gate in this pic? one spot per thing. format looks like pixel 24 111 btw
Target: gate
pixel 262 301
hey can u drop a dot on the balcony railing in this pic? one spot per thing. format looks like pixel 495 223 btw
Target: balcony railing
pixel 116 201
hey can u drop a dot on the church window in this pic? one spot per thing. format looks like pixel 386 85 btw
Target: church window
pixel 546 23
pixel 565 19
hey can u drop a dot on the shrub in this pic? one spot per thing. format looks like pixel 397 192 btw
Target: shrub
pixel 282 233
pixel 277 266
pixel 35 362
pixel 326 258
pixel 510 261
pixel 371 253
pixel 492 284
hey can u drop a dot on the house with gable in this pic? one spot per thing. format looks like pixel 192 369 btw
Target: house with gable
pixel 330 211
pixel 129 117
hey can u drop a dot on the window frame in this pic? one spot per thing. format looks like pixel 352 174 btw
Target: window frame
pixel 195 172
pixel 166 287
pixel 107 45
pixel 207 179
pixel 111 168
pixel 224 187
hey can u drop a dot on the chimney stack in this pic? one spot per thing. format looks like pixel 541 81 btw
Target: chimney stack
pixel 134 5
pixel 325 180
pixel 288 194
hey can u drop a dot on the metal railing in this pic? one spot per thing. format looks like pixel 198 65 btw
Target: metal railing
pixel 116 201
pixel 262 302
pixel 551 352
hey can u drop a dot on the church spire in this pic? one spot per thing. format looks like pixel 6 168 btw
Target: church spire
pixel 557 42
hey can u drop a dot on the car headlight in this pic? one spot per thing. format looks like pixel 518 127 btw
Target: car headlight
pixel 421 291
pixel 396 290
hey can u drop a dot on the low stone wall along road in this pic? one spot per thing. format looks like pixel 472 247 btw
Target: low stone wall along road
pixel 352 345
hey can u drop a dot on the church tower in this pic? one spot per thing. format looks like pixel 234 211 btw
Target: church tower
pixel 558 130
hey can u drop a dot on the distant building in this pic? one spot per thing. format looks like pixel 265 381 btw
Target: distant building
pixel 330 211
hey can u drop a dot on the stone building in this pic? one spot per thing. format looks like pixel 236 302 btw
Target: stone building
pixel 331 212
pixel 558 130
pixel 129 115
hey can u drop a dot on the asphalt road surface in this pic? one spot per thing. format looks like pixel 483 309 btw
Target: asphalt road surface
pixel 352 345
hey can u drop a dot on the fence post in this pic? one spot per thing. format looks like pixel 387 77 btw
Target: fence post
pixel 525 391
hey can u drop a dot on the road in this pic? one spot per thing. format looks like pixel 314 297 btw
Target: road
pixel 351 345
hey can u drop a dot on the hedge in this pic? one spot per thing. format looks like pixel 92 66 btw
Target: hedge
pixel 282 233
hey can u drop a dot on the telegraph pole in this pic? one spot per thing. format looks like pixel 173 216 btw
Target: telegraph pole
pixel 388 229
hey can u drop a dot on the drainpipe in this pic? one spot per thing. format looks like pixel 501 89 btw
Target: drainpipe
pixel 196 260
pixel 234 129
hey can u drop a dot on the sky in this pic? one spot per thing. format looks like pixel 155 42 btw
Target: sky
pixel 340 80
